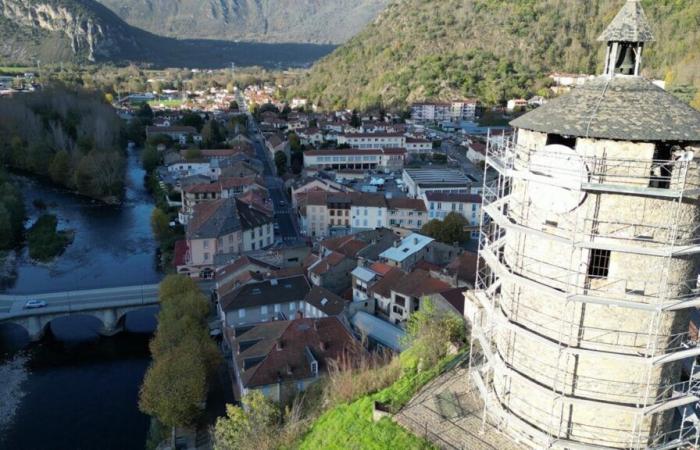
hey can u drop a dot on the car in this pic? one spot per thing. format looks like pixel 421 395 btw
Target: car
pixel 282 203
pixel 276 226
pixel 33 304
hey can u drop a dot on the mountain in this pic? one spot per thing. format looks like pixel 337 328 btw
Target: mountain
pixel 493 49
pixel 83 30
pixel 309 21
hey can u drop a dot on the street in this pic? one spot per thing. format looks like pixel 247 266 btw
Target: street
pixel 284 216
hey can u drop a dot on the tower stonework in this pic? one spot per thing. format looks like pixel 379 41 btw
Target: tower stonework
pixel 589 258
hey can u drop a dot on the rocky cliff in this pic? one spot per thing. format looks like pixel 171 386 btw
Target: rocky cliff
pixel 307 21
pixel 61 29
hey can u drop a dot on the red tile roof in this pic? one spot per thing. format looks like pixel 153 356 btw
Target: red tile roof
pixel 180 253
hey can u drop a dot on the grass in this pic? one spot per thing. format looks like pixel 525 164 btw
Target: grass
pixel 16 70
pixel 45 242
pixel 174 103
pixel 350 426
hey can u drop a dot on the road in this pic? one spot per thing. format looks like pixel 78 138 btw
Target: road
pixel 13 305
pixel 284 216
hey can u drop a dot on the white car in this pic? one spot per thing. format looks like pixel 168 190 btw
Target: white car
pixel 33 304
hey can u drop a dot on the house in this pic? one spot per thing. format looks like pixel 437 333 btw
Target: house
pixel 332 271
pixel 431 112
pixel 476 152
pixel 417 146
pixel 320 302
pixel 420 181
pixel 177 134
pixel 379 289
pixel 408 292
pixel 408 213
pixel 263 301
pixel 196 193
pixel 516 104
pixel 310 184
pixel 440 204
pixel 281 359
pixel 277 143
pixel 224 226
pixel 385 159
pixel 408 251
pixel 326 214
pixel 310 136
pixel 240 271
pixel 453 111
pixel 369 141
pixel 367 211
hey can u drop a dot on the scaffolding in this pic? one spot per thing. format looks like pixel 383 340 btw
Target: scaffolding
pixel 504 269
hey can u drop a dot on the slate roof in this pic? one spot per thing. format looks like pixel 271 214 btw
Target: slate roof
pixel 221 217
pixel 326 301
pixel 268 292
pixel 630 25
pixel 620 108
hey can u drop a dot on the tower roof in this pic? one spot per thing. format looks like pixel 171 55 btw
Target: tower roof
pixel 620 108
pixel 630 25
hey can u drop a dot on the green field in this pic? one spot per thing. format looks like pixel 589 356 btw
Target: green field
pixel 7 70
pixel 166 103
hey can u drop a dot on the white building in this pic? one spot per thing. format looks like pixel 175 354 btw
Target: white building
pixel 373 140
pixel 387 159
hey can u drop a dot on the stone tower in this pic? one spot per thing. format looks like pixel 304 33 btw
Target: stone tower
pixel 589 264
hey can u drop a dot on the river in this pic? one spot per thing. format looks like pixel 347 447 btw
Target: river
pixel 75 390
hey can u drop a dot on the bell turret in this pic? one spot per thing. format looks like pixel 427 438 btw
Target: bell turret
pixel 626 36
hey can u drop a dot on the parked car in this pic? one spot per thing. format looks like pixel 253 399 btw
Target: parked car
pixel 33 304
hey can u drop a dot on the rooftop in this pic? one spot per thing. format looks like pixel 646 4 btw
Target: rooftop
pixel 624 108
pixel 437 177
pixel 326 301
pixel 280 351
pixel 630 25
pixel 408 246
pixel 267 292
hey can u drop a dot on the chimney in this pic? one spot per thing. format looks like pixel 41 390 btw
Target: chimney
pixel 323 346
pixel 278 345
pixel 415 240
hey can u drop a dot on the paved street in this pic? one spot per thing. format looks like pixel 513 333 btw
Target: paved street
pixel 78 300
pixel 284 216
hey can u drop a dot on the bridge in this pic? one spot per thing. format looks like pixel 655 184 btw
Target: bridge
pixel 109 305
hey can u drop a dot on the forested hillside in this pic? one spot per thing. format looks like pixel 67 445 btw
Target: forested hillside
pixel 493 49
pixel 71 137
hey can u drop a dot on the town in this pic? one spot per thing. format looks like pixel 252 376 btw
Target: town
pixel 447 271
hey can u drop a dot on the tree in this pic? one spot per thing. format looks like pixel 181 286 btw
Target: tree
pixel 248 427
pixel 449 230
pixel 150 159
pixel 145 114
pixel 281 163
pixel 160 224
pixel 175 387
pixel 294 142
pixel 211 134
pixel 430 330
pixel 191 119
pixel 355 120
pixel 193 153
pixel 59 168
